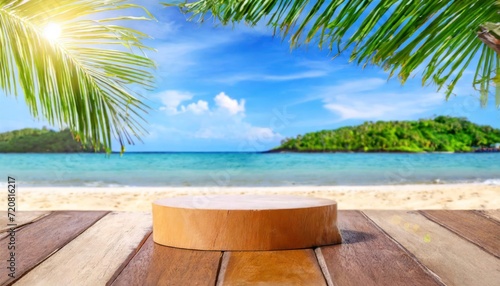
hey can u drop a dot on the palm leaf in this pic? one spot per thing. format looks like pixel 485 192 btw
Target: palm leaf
pixel 88 78
pixel 403 37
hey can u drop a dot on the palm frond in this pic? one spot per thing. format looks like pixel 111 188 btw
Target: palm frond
pixel 87 78
pixel 403 37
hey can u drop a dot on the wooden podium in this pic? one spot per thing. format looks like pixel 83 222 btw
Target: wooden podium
pixel 245 222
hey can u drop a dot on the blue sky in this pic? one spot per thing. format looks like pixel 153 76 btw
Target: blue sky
pixel 241 89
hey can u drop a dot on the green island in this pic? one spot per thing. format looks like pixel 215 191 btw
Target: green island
pixel 31 140
pixel 441 134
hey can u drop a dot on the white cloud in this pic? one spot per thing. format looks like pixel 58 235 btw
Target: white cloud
pixel 228 122
pixel 262 134
pixel 172 103
pixel 225 121
pixel 354 110
pixel 366 99
pixel 187 52
pixel 235 128
pixel 356 86
pixel 156 131
pixel 269 77
pixel 295 76
pixel 171 99
pixel 231 105
pixel 306 70
pixel 198 108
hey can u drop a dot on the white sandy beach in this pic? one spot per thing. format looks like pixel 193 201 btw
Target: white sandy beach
pixel 404 197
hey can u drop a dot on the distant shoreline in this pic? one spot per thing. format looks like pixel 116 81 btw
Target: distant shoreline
pixel 259 152
pixel 378 151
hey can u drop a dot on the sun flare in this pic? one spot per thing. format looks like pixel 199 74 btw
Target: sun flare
pixel 52 31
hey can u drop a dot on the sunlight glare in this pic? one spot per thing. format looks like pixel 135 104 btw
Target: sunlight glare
pixel 52 31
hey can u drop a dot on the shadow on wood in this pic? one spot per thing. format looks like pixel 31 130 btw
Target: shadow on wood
pixel 352 236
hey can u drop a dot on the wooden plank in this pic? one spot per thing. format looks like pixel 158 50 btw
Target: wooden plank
pixel 472 226
pixel 491 214
pixel 21 218
pixel 288 267
pixel 94 256
pixel 367 256
pixel 37 241
pixel 455 260
pixel 156 264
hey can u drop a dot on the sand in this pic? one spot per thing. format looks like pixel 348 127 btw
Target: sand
pixel 403 197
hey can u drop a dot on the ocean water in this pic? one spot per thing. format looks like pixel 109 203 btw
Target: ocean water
pixel 247 169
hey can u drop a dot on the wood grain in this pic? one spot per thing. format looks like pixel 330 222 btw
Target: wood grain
pixel 37 241
pixel 287 267
pixel 95 255
pixel 21 218
pixel 367 256
pixel 472 226
pixel 491 214
pixel 247 222
pixel 156 264
pixel 455 260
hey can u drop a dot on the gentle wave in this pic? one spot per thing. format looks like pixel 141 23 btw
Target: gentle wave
pixel 101 184
pixel 492 182
pixel 247 169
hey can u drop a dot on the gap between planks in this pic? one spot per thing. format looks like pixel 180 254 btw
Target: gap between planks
pixel 155 264
pixel 494 215
pixel 368 256
pixel 224 261
pixel 471 226
pixel 455 260
pixel 129 258
pixel 322 264
pixel 108 242
pixel 409 253
pixel 22 219
pixel 64 226
pixel 219 268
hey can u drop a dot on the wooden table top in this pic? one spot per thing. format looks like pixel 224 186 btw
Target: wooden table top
pixel 439 247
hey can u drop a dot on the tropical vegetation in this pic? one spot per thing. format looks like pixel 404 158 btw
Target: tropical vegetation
pixel 448 134
pixel 441 39
pixel 31 140
pixel 77 66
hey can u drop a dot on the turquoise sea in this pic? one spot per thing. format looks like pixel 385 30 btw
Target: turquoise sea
pixel 247 169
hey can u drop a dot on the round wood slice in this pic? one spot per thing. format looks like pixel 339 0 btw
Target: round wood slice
pixel 245 222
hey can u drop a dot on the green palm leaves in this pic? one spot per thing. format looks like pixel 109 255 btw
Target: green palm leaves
pixel 86 79
pixel 437 38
